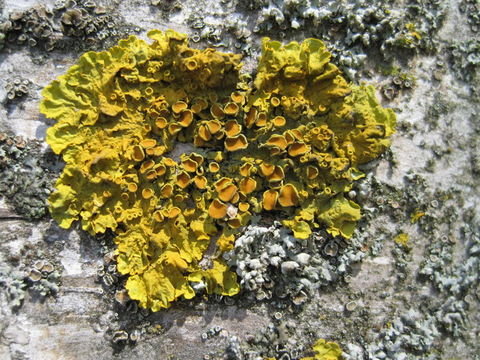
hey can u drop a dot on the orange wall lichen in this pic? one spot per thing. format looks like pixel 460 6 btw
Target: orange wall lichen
pixel 290 144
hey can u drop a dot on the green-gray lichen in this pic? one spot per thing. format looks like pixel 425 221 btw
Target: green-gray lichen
pixel 465 59
pixel 471 9
pixel 355 27
pixel 25 176
pixel 28 269
pixel 272 264
pixel 68 25
pixel 14 286
pixel 17 88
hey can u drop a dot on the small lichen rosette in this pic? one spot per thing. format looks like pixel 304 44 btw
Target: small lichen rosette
pixel 325 350
pixel 171 149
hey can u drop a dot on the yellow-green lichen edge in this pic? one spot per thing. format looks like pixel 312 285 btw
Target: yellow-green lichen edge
pixel 325 350
pixel 289 145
